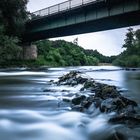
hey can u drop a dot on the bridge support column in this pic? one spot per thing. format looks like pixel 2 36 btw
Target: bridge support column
pixel 29 52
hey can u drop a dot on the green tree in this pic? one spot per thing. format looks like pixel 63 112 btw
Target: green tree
pixel 129 41
pixel 13 15
pixel 8 47
pixel 137 42
pixel 62 53
pixel 131 56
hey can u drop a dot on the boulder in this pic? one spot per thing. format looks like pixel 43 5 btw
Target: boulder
pixel 78 100
pixel 130 120
pixel 73 78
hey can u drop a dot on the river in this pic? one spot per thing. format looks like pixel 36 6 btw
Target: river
pixel 28 113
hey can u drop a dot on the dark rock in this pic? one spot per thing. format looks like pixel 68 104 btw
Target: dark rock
pixel 105 91
pixel 119 105
pixel 97 102
pixel 116 136
pixel 125 119
pixel 129 110
pixel 66 100
pixel 101 90
pixel 130 69
pixel 86 104
pixel 105 97
pixel 73 78
pixel 65 91
pixel 89 85
pixel 49 90
pixel 68 76
pixel 81 80
pixel 78 108
pixel 78 100
pixel 107 105
pixel 128 101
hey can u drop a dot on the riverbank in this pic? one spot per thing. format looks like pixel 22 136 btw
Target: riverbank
pixel 105 64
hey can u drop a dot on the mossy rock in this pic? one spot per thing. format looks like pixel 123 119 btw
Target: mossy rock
pixel 78 100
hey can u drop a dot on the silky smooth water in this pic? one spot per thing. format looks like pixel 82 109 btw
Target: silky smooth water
pixel 28 113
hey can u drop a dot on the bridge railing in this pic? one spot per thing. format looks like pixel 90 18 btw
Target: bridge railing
pixel 67 5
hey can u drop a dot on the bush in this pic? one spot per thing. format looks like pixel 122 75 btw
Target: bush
pixel 133 61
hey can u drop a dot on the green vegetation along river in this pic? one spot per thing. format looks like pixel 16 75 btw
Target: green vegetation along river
pixel 32 108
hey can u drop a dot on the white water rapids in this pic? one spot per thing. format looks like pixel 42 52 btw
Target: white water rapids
pixel 28 113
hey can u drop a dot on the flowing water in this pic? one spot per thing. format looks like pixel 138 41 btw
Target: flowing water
pixel 28 113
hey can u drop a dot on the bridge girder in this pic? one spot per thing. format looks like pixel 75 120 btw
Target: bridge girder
pixel 100 16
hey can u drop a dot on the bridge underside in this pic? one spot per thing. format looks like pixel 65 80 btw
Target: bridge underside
pixel 84 21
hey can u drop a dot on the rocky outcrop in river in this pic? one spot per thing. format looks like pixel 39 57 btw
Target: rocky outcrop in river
pixel 104 97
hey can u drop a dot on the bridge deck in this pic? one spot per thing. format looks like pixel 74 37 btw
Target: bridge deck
pixel 61 7
pixel 81 16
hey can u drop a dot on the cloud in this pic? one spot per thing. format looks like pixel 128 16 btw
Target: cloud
pixel 107 42
pixel 35 5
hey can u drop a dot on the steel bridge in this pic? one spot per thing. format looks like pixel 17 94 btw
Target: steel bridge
pixel 81 16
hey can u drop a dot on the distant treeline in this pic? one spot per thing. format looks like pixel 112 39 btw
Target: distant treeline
pixel 59 53
pixel 62 53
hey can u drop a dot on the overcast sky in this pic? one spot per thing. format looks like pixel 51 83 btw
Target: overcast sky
pixel 106 42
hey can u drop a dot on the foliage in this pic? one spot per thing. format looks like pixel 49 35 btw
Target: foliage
pixel 129 41
pixel 62 53
pixel 8 47
pixel 131 56
pixel 101 58
pixel 13 15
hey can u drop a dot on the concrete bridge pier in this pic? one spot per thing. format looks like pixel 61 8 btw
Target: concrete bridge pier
pixel 29 52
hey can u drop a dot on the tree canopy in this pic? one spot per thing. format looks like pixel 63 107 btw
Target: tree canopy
pixel 131 56
pixel 63 53
pixel 13 14
pixel 12 17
